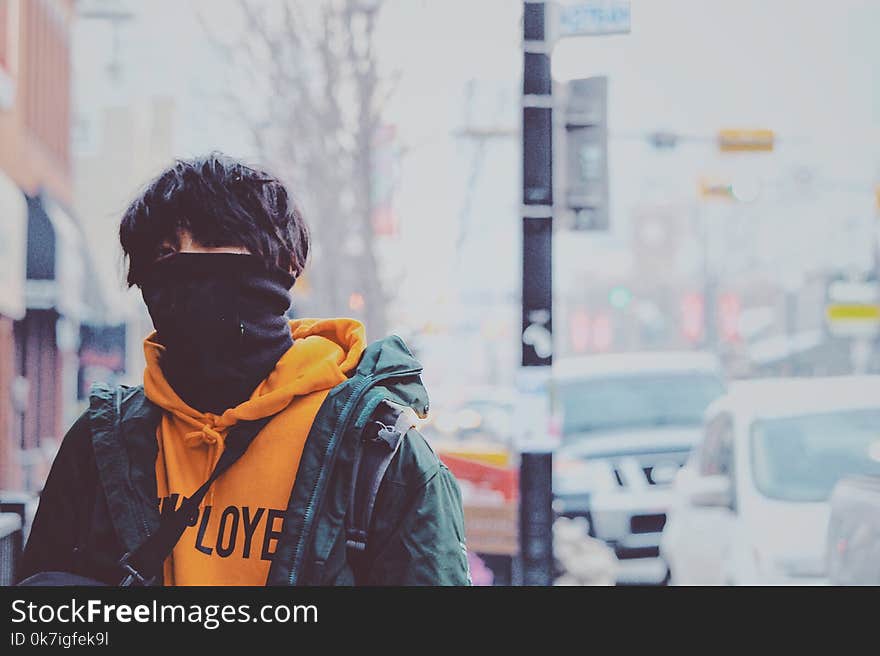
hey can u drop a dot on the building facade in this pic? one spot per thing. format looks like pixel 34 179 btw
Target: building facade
pixel 43 287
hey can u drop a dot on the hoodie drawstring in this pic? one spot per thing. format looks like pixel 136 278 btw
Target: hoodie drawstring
pixel 207 434
pixel 215 441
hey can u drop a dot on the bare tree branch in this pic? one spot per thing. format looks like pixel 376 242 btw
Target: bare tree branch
pixel 324 96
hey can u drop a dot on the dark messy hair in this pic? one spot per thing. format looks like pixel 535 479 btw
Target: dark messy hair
pixel 220 202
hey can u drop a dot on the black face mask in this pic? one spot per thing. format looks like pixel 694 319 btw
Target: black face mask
pixel 221 318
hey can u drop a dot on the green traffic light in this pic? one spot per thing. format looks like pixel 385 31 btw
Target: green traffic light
pixel 619 297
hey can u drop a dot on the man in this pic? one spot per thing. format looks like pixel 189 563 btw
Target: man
pixel 215 247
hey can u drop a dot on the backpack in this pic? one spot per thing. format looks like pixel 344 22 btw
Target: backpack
pixel 381 437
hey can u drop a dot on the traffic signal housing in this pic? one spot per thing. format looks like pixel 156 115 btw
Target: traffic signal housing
pixel 586 156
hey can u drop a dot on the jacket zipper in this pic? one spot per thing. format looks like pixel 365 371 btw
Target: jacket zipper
pixel 331 444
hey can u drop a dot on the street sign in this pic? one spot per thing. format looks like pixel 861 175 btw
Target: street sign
pixel 739 140
pixel 853 308
pixel 853 312
pixel 860 292
pixel 593 18
pixel 709 188
pixel 853 320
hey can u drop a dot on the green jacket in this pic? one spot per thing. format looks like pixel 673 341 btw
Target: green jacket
pixel 100 499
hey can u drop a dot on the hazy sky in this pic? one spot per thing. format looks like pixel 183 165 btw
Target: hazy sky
pixel 808 69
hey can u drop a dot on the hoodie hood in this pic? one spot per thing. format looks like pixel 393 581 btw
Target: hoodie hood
pixel 232 540
pixel 323 353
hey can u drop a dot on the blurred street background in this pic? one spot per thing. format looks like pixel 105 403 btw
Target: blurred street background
pixel 701 370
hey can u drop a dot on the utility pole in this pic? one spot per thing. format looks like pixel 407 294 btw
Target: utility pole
pixel 536 492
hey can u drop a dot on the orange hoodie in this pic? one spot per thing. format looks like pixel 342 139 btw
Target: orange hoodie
pixel 236 533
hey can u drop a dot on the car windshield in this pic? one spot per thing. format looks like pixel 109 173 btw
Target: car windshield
pixel 635 401
pixel 802 458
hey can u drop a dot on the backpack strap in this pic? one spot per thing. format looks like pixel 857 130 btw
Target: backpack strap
pixel 380 441
pixel 143 566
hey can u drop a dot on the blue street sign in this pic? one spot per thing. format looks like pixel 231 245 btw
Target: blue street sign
pixel 593 18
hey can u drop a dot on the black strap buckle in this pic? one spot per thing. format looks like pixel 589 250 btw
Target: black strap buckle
pixel 385 435
pixel 133 577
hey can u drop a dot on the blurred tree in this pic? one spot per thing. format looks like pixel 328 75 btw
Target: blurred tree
pixel 312 98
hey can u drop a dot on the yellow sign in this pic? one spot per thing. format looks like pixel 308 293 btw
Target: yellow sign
pixel 853 312
pixel 714 189
pixel 745 140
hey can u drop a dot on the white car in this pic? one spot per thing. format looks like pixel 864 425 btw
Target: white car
pixel 751 506
pixel 628 421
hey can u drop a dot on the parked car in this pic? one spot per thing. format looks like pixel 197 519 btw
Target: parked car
pixel 854 530
pixel 472 414
pixel 751 505
pixel 627 423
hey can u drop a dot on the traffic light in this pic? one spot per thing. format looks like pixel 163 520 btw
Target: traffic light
pixel 603 333
pixel 728 317
pixel 580 325
pixel 692 320
pixel 586 144
pixel 619 297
